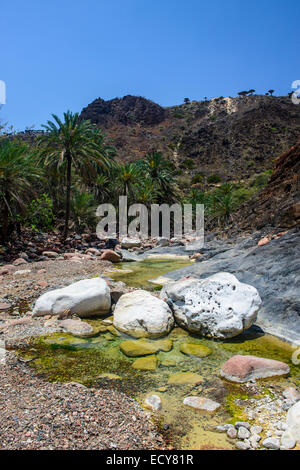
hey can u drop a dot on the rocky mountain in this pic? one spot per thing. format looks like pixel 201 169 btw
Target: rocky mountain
pixel 230 137
pixel 278 204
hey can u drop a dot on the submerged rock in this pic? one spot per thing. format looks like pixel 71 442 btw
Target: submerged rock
pixel 184 378
pixel 137 348
pixel 244 368
pixel 201 403
pixel 77 327
pixel 140 314
pixel 85 298
pixel 191 349
pixel 217 307
pixel 153 402
pixel 145 363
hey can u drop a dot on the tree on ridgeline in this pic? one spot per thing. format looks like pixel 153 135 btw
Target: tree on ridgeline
pixel 271 92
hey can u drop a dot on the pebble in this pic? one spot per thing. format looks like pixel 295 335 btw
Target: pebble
pixel 238 424
pixel 287 441
pixel 271 443
pixel 153 402
pixel 255 429
pixel 232 433
pixel 243 433
pixel 242 445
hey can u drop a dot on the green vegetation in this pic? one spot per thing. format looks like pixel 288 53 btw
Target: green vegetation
pixel 58 179
pixel 212 179
pixel 18 171
pixel 73 144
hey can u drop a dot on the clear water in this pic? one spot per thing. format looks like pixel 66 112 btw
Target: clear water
pixel 91 361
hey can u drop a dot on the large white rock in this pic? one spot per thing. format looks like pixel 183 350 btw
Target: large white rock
pixel 293 421
pixel 130 242
pixel 217 307
pixel 85 298
pixel 140 314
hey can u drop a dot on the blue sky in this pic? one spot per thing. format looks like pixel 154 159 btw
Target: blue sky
pixel 60 55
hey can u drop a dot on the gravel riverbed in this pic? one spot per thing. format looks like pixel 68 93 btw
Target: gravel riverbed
pixel 36 414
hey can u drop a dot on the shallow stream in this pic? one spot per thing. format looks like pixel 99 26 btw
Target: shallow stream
pixel 99 361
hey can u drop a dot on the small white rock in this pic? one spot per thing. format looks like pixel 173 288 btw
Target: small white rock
pixel 153 402
pixel 243 433
pixel 271 443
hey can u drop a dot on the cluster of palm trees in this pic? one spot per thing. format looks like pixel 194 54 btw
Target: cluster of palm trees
pixel 71 169
pixel 74 164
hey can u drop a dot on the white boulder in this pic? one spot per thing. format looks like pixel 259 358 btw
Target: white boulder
pixel 85 298
pixel 140 314
pixel 217 307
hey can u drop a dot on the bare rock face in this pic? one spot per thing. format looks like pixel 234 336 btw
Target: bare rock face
pixel 217 133
pixel 140 314
pixel 85 298
pixel 241 369
pixel 127 110
pixel 217 307
pixel 278 204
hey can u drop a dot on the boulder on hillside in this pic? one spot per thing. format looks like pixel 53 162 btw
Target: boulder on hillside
pixel 241 369
pixel 85 298
pixel 216 307
pixel 140 314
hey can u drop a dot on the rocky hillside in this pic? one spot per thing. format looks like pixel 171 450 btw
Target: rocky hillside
pixel 226 136
pixel 278 204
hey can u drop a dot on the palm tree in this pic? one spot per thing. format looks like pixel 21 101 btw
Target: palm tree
pixel 101 188
pixel 127 176
pixel 271 92
pixel 146 192
pixel 160 171
pixel 224 203
pixel 18 172
pixel 77 144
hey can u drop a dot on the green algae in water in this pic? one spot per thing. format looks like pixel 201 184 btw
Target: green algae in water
pixel 143 271
pixel 65 358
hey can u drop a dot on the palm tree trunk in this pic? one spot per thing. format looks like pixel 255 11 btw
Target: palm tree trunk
pixel 68 196
pixel 4 228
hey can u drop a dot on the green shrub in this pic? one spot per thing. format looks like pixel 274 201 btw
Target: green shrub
pixel 212 179
pixel 39 215
pixel 261 179
pixel 187 164
pixel 197 178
